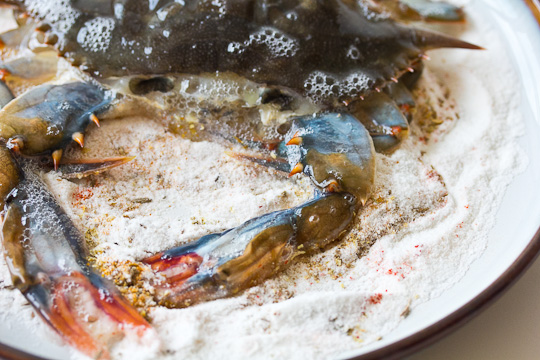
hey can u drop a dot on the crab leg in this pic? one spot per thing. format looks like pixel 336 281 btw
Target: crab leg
pixel 221 265
pixel 337 153
pixel 46 258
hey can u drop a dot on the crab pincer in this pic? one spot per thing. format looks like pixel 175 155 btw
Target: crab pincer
pixel 44 251
pixel 336 152
pixel 48 117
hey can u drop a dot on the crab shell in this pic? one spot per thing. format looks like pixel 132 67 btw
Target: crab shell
pixel 332 51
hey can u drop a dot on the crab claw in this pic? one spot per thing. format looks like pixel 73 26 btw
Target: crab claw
pixel 221 265
pixel 384 120
pixel 83 324
pixel 46 258
pixel 402 97
pixel 46 117
pixel 333 149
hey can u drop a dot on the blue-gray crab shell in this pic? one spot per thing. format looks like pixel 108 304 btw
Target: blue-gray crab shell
pixel 329 50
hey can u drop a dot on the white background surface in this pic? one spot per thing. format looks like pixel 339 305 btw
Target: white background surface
pixel 508 329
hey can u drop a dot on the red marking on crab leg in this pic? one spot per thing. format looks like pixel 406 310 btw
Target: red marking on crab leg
pixel 405 108
pixel 396 130
pixel 112 304
pixel 177 269
pixel 63 320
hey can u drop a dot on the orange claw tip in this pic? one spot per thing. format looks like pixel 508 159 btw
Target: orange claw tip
pixel 79 138
pixel 394 79
pixel 95 119
pixel 16 144
pixel 333 186
pixel 410 69
pixel 57 156
pixel 296 140
pixel 298 168
pixel 3 72
pixel 396 130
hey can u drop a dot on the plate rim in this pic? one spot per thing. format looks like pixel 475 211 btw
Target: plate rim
pixel 434 332
pixel 452 322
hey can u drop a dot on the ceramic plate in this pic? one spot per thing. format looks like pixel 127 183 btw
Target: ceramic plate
pixel 513 242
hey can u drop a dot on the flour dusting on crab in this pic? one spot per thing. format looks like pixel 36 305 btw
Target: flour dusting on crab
pixel 316 87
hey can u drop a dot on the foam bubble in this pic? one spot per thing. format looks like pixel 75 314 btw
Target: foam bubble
pixel 96 34
pixel 279 43
pixel 320 85
pixel 56 12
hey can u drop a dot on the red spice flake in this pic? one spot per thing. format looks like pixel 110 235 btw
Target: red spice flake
pixel 375 299
pixel 82 195
pixel 466 206
pixel 416 246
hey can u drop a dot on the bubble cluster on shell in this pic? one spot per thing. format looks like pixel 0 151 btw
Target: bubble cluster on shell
pixel 96 34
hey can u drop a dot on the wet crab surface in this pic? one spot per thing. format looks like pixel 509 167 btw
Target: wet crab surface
pixel 316 87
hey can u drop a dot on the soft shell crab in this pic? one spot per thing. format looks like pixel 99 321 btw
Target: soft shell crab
pixel 337 73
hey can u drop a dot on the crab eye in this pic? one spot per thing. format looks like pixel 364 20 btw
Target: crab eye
pixel 140 86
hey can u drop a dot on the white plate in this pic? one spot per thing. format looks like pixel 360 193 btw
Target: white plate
pixel 513 242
